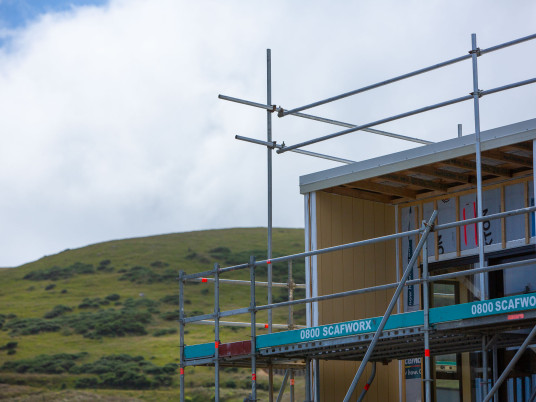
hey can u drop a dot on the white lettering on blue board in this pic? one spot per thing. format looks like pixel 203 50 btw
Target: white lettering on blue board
pixel 345 328
pixel 504 305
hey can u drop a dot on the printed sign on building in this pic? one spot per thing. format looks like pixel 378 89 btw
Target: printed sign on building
pixel 412 368
pixel 445 241
pixel 411 293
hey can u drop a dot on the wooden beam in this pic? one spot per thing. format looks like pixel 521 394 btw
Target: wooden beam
pixel 527 216
pixel 509 158
pixel 522 146
pixel 444 174
pixel 430 185
pixel 364 195
pixel 470 165
pixel 503 220
pixel 383 189
pixel 436 236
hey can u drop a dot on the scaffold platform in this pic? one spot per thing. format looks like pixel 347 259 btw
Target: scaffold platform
pixel 453 329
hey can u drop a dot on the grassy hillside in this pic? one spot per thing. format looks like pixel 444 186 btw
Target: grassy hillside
pixel 103 317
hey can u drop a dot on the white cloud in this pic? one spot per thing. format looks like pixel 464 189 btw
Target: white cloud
pixel 112 128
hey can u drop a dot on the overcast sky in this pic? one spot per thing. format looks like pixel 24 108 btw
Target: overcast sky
pixel 111 126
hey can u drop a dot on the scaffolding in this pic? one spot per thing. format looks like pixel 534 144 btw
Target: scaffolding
pixel 461 327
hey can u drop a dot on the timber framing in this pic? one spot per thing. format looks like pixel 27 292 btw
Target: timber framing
pixel 432 170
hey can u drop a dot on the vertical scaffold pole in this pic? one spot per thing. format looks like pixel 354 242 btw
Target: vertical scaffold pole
pixel 181 332
pixel 253 310
pixel 426 308
pixel 475 51
pixel 308 380
pixel 291 322
pixel 291 286
pixel 269 168
pixel 398 306
pixel 316 365
pixel 216 332
pixel 291 385
pixel 476 101
pixel 391 306
pixel 495 370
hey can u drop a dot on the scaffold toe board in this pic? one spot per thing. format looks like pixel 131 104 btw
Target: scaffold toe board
pixel 455 328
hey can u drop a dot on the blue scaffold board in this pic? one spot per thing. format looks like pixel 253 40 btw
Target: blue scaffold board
pixel 199 351
pixel 437 315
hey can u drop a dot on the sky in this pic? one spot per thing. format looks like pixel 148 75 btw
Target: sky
pixel 111 126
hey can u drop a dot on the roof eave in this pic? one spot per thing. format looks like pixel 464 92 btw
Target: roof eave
pixel 424 155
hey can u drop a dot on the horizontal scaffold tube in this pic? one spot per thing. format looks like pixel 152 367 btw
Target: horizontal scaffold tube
pixel 272 108
pixel 273 145
pixel 407 75
pixel 406 114
pixel 242 282
pixel 247 324
pixel 433 278
pixel 365 242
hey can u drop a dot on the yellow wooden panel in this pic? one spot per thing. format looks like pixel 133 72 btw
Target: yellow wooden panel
pixel 343 220
pixel 359 258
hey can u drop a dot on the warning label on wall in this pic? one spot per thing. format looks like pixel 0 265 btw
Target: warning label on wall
pixel 412 368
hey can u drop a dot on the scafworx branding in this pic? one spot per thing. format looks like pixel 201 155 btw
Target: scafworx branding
pixel 344 328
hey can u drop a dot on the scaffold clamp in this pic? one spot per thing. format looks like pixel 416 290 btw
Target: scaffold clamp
pixel 477 51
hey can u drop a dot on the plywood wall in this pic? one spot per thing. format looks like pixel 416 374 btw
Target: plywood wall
pixel 341 220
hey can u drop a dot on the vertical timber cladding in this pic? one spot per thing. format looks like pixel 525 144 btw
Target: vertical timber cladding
pixel 449 243
pixel 341 220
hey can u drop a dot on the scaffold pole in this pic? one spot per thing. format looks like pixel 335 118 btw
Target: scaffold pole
pixel 217 332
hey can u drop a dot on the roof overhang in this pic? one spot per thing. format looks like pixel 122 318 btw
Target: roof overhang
pixel 498 147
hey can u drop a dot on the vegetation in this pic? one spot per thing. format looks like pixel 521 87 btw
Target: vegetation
pixel 107 315
pixel 113 371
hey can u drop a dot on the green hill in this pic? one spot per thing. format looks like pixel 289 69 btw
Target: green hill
pixel 102 320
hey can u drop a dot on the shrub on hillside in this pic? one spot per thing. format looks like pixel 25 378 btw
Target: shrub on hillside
pixel 126 372
pixel 150 305
pixel 165 331
pixel 140 275
pixel 114 371
pixel 170 315
pixel 159 264
pixel 9 345
pixel 44 364
pixel 104 265
pixel 31 326
pixel 56 273
pixel 170 299
pixel 57 311
pixel 95 302
pixel 108 323
pixel 98 324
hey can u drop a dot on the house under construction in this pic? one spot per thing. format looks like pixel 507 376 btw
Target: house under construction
pixel 420 269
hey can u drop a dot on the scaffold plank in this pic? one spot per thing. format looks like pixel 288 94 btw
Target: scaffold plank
pixel 399 328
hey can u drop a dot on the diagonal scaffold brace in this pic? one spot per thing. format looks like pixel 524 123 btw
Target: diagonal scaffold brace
pixel 429 226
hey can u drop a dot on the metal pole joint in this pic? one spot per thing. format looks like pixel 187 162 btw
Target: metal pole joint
pixel 479 93
pixel 477 51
